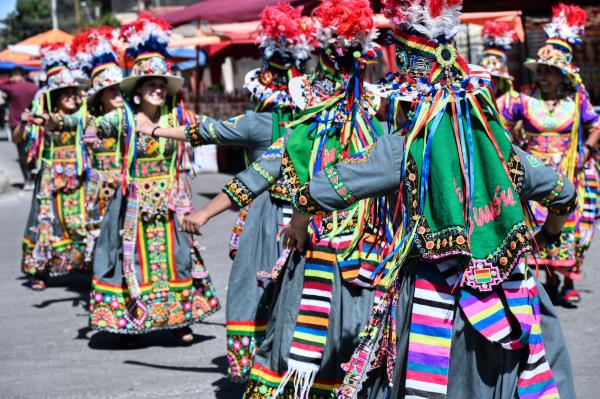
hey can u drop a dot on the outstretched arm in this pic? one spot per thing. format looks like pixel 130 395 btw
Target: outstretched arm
pixel 242 189
pixel 550 188
pixel 371 173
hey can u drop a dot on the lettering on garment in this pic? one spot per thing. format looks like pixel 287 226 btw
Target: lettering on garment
pixel 151 168
pixel 488 213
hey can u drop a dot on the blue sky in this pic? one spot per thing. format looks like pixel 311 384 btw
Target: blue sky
pixel 6 6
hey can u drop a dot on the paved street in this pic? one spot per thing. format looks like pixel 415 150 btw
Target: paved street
pixel 47 350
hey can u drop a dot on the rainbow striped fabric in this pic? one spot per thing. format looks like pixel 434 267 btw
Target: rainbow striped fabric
pixel 430 335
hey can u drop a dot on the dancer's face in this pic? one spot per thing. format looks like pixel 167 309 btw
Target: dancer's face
pixel 67 100
pixel 111 98
pixel 548 79
pixel 153 92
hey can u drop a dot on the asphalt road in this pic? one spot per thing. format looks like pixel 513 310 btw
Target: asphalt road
pixel 48 351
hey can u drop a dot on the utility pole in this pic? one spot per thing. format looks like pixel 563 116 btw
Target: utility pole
pixel 77 14
pixel 54 17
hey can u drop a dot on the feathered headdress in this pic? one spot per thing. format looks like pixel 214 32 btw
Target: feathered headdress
pixel 146 41
pixel 98 53
pixel 56 62
pixel 564 32
pixel 147 34
pixel 346 24
pixel 497 39
pixel 437 20
pixel 283 30
pixel 54 54
pixel 498 34
pixel 568 23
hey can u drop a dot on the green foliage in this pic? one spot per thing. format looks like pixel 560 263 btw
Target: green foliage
pixel 29 18
pixel 106 19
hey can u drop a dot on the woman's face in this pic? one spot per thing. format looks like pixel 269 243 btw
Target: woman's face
pixel 548 79
pixel 111 98
pixel 153 92
pixel 67 100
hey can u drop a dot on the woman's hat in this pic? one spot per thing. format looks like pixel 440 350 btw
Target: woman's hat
pixel 498 36
pixel 146 41
pixel 56 63
pixel 97 52
pixel 564 32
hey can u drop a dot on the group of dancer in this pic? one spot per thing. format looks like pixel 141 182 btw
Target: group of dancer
pixel 371 258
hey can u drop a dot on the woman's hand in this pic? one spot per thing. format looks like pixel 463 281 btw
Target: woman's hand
pixel 26 116
pixel 294 233
pixel 144 125
pixel 194 221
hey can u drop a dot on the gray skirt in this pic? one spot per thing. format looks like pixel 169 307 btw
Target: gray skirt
pixel 478 367
pixel 248 299
pixel 350 309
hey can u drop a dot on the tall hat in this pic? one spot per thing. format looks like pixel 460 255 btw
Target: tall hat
pixel 79 61
pixel 346 33
pixel 56 63
pixel 497 39
pixel 146 41
pixel 97 53
pixel 564 32
pixel 286 41
pixel 426 55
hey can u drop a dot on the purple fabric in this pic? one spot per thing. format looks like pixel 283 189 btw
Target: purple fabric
pixel 516 112
pixel 20 95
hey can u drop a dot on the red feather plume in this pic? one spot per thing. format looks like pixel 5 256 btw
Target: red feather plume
pixel 348 17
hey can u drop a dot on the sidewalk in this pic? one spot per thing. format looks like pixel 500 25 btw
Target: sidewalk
pixel 10 173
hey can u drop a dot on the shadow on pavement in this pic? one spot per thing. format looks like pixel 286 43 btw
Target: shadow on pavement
pixel 78 283
pixel 104 340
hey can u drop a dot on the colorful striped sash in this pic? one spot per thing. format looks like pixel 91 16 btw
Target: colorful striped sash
pixel 310 333
pixel 430 335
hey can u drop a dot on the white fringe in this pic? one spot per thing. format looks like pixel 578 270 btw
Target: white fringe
pixel 304 378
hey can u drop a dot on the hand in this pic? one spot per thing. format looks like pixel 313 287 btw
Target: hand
pixel 144 125
pixel 193 222
pixel 26 116
pixel 39 119
pixel 294 233
pixel 51 121
pixel 90 137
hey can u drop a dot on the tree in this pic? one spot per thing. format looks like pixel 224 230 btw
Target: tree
pixel 29 18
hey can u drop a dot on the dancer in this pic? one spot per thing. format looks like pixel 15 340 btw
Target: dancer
pixel 55 235
pixel 147 274
pixel 309 335
pixel 96 49
pixel 498 37
pixel 285 40
pixel 457 294
pixel 561 130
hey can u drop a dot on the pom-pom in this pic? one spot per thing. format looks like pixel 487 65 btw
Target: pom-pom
pixel 568 23
pixel 347 22
pixel 282 28
pixel 54 54
pixel 434 19
pixel 146 34
pixel 498 34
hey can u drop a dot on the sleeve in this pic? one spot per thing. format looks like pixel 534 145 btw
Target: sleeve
pixel 259 176
pixel 590 118
pixel 68 122
pixel 374 172
pixel 545 185
pixel 236 131
pixel 514 110
pixel 107 124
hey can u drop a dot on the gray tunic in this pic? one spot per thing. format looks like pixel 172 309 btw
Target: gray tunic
pixel 478 368
pixel 350 304
pixel 248 302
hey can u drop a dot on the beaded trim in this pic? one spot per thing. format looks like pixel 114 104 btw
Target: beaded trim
pixel 516 170
pixel 565 209
pixel 338 185
pixel 192 135
pixel 263 173
pixel 239 192
pixel 305 203
pixel 555 192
